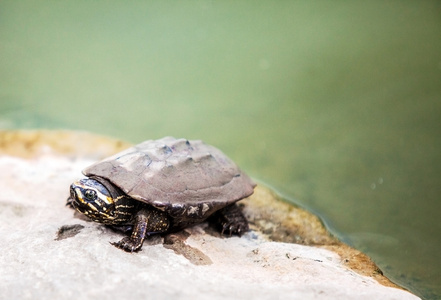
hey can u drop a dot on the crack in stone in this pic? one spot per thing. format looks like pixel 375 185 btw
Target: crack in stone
pixel 68 231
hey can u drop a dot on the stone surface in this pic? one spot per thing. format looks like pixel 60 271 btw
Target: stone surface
pixel 50 252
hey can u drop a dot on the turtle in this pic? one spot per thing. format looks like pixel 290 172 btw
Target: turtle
pixel 162 186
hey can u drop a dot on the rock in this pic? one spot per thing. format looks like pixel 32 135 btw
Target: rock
pixel 48 251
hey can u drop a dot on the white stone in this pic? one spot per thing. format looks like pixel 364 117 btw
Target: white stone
pixel 33 265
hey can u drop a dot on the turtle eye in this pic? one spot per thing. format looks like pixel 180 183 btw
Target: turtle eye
pixel 90 195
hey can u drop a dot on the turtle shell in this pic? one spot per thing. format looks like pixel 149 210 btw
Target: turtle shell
pixel 186 179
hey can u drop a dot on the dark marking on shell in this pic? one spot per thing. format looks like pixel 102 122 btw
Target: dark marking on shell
pixel 166 150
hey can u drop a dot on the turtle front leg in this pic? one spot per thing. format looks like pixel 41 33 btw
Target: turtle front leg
pixel 147 221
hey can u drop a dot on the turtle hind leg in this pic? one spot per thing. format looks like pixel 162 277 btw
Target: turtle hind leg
pixel 147 221
pixel 230 220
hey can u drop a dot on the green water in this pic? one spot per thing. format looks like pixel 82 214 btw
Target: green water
pixel 335 104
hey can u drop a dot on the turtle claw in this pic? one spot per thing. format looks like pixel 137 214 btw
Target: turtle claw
pixel 237 228
pixel 127 244
pixel 232 221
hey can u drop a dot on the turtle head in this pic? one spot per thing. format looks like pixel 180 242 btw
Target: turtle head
pixel 91 198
